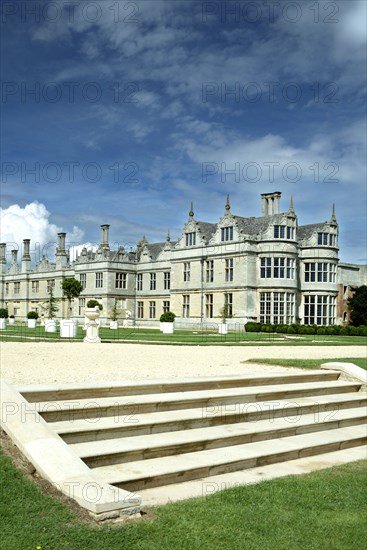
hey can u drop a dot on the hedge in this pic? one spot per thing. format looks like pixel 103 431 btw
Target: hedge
pixel 332 330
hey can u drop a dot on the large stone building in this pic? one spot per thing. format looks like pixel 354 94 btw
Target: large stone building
pixel 267 269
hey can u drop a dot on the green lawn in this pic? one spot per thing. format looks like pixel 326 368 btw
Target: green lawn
pixel 309 363
pixel 21 332
pixel 324 510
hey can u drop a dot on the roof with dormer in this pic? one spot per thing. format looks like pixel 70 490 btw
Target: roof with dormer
pixel 154 249
pixel 207 229
pixel 254 226
pixel 306 231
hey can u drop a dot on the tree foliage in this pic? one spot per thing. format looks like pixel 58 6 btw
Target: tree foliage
pixel 50 305
pixel 71 289
pixel 357 305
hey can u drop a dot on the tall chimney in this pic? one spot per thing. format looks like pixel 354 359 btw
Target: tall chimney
pixel 270 203
pixel 61 255
pixel 26 258
pixel 104 237
pixel 14 257
pixel 2 257
pixel 61 243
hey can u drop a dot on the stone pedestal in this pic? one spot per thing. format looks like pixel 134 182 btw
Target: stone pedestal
pixel 92 315
pixel 222 328
pixel 68 328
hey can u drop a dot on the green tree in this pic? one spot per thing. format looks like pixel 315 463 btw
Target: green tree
pixel 357 305
pixel 50 305
pixel 71 289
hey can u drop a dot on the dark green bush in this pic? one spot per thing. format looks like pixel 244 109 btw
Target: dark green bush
pixel 3 313
pixel 167 317
pixel 32 315
pixel 252 327
pixel 94 303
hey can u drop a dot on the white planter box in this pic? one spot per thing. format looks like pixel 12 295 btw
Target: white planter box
pixel 68 328
pixel 167 328
pixel 11 321
pixel 114 325
pixel 32 323
pixel 50 325
pixel 223 328
pixel 2 323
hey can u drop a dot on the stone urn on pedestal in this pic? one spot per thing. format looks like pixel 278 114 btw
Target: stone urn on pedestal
pixel 92 314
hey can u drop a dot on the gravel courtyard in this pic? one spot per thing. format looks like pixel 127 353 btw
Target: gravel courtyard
pixel 39 363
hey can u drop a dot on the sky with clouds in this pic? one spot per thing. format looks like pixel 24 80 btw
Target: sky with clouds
pixel 123 112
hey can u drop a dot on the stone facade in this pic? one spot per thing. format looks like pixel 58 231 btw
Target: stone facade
pixel 267 269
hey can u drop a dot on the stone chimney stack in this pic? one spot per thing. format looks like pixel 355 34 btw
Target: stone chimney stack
pixel 26 258
pixel 2 257
pixel 14 257
pixel 104 237
pixel 61 254
pixel 270 203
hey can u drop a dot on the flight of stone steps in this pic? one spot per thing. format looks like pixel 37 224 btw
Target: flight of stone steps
pixel 149 435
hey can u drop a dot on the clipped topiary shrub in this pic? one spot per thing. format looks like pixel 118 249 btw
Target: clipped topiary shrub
pixel 252 327
pixel 94 303
pixel 282 329
pixel 167 317
pixel 32 315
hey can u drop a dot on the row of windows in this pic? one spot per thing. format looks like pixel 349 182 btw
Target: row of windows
pixel 228 304
pixel 209 270
pixel 277 268
pixel 326 239
pixel 277 307
pixel 322 272
pixel 319 310
pixel 153 281
pixel 152 308
pixel 226 234
pixel 283 232
pixel 35 286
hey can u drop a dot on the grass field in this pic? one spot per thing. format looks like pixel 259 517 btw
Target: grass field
pixel 310 363
pixel 21 332
pixel 325 510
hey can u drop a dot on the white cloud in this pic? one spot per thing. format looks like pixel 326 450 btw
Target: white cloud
pixel 32 222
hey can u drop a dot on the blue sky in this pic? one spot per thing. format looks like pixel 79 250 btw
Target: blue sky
pixel 124 112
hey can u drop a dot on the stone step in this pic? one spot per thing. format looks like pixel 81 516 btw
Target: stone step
pixel 129 449
pixel 70 410
pixel 205 487
pixel 160 422
pixel 38 393
pixel 155 472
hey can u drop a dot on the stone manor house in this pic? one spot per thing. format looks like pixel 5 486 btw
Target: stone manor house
pixel 267 269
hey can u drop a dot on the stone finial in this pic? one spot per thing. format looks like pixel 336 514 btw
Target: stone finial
pixel 168 236
pixel 333 217
pixel 291 206
pixel 191 213
pixel 228 205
